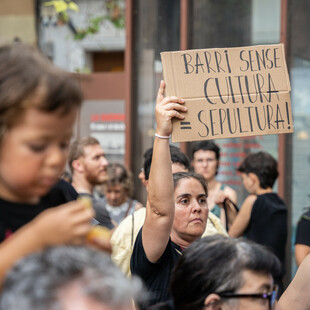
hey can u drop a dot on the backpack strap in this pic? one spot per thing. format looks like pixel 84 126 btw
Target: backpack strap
pixel 226 202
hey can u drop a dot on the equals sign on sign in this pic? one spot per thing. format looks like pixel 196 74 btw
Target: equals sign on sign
pixel 185 125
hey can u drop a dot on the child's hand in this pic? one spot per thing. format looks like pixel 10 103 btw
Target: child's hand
pixel 99 237
pixel 68 223
pixel 101 244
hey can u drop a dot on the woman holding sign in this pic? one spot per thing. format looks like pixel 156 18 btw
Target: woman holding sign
pixel 176 208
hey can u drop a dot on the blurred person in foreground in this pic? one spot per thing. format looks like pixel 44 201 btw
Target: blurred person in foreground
pixel 38 107
pixel 302 240
pixel 68 278
pixel 222 273
pixel 296 296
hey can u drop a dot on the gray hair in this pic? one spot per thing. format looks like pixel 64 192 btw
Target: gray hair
pixel 215 264
pixel 35 282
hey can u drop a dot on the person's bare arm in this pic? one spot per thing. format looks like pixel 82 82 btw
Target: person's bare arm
pixel 301 251
pixel 160 202
pixel 242 219
pixel 296 296
pixel 68 223
pixel 231 194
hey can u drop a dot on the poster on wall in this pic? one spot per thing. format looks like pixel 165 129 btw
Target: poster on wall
pixel 105 120
pixel 229 92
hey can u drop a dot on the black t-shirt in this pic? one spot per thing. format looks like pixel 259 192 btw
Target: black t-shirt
pixel 15 215
pixel 156 276
pixel 268 224
pixel 303 230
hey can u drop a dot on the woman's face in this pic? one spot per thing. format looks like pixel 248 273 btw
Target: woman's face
pixel 115 194
pixel 205 163
pixel 191 210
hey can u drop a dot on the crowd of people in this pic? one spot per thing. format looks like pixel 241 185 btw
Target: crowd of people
pixel 183 250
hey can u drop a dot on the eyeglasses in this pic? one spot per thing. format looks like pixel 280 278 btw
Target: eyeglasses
pixel 270 296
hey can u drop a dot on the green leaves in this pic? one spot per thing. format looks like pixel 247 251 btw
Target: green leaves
pixel 92 28
pixel 61 6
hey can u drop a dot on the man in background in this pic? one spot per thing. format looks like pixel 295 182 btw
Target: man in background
pixel 88 166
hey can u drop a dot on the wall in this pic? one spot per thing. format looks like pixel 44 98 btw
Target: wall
pixel 17 19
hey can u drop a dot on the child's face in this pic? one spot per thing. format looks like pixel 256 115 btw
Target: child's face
pixel 115 194
pixel 33 154
pixel 247 182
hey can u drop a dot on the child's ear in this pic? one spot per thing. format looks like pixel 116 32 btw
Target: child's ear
pixel 254 178
pixel 77 165
pixel 146 184
pixel 212 302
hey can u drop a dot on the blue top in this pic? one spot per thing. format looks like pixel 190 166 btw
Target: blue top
pixel 217 209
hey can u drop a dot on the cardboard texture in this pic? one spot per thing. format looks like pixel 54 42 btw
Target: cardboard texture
pixel 229 92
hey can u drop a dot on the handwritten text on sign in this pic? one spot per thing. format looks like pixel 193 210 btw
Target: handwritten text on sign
pixel 230 92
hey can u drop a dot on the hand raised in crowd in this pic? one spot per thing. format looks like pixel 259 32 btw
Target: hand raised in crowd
pixel 158 222
pixel 166 109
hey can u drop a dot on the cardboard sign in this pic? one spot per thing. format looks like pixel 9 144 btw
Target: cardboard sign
pixel 229 92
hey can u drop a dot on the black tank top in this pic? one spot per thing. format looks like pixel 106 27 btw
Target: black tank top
pixel 268 224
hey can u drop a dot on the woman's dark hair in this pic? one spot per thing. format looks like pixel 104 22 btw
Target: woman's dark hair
pixel 206 146
pixel 263 165
pixel 216 264
pixel 176 155
pixel 190 175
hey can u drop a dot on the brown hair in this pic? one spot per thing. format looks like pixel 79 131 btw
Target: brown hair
pixel 190 175
pixel 77 149
pixel 119 175
pixel 29 80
